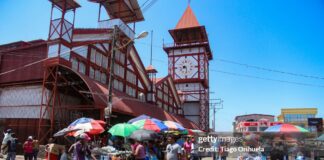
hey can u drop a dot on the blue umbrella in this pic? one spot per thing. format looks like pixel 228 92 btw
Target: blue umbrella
pixel 81 121
pixel 141 117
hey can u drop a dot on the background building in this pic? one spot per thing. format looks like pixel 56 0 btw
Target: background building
pixel 253 122
pixel 297 116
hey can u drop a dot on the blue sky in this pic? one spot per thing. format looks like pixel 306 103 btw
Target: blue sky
pixel 275 34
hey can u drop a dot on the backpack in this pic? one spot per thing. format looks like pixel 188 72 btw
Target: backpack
pixel 28 147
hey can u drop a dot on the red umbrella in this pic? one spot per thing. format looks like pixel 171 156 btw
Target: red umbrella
pixel 86 125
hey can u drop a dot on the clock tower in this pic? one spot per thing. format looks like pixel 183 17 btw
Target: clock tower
pixel 188 59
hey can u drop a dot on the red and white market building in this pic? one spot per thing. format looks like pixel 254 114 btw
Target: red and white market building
pixel 46 84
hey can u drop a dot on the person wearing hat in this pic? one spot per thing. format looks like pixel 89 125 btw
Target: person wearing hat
pixel 6 138
pixel 28 148
pixel 80 148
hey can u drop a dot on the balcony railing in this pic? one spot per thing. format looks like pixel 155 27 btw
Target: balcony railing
pixel 120 24
pixel 170 45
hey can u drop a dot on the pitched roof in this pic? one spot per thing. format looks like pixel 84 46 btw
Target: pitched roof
pixel 188 19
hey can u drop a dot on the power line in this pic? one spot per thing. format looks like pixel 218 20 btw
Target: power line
pixel 268 79
pixel 219 71
pixel 268 69
pixel 33 63
pixel 149 5
pixel 144 3
pixel 38 61
pixel 255 67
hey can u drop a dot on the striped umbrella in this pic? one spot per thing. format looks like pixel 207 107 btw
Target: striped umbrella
pixel 285 128
pixel 151 124
pixel 141 117
pixel 84 125
pixel 174 126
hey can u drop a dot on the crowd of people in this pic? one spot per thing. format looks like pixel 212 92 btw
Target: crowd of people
pixel 166 147
pixel 10 142
pixel 172 149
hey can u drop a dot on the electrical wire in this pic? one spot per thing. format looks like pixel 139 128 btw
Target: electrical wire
pixel 254 66
pixel 41 60
pixel 268 69
pixel 144 3
pixel 148 6
pixel 268 79
pixel 212 70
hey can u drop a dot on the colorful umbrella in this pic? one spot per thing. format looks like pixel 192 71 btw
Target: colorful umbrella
pixel 122 129
pixel 174 126
pixel 86 125
pixel 143 135
pixel 151 124
pixel 64 131
pixel 141 117
pixel 286 128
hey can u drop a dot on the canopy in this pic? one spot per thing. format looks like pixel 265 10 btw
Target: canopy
pixel 286 128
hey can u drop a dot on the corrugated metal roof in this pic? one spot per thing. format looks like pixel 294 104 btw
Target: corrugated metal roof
pixel 17 57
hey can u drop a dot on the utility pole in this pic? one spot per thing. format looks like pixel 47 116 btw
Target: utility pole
pixel 214 103
pixel 108 109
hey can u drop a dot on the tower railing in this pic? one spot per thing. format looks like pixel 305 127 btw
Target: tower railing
pixel 183 44
pixel 120 24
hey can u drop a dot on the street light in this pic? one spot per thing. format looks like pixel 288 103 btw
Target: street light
pixel 108 109
pixel 140 36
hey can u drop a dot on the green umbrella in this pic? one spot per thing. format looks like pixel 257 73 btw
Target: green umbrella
pixel 122 129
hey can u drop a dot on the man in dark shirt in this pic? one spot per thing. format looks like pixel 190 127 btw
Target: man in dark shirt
pixel 12 147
